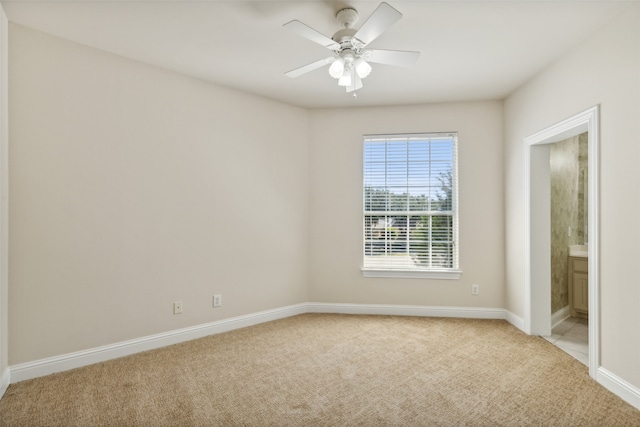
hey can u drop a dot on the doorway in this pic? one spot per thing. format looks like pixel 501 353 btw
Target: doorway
pixel 569 243
pixel 538 319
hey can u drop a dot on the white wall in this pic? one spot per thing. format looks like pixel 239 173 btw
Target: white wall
pixel 4 217
pixel 335 255
pixel 603 70
pixel 133 187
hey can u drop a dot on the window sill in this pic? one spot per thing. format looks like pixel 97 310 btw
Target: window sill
pixel 413 274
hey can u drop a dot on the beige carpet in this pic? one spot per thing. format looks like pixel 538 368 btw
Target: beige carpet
pixel 330 370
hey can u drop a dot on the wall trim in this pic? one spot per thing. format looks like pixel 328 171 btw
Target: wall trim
pixel 407 310
pixel 537 315
pixel 38 368
pixel 5 380
pixel 559 316
pixel 619 387
pixel 515 320
pixel 64 362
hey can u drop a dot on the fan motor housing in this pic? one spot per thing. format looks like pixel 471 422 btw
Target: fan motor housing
pixel 347 17
pixel 344 37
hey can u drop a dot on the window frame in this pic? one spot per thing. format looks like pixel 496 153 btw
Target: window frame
pixel 452 273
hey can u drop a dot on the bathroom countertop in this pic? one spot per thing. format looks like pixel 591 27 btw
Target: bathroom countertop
pixel 579 251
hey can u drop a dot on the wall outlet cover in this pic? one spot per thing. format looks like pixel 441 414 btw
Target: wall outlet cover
pixel 217 300
pixel 177 307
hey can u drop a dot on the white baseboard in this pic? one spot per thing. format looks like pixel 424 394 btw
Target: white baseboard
pixel 38 368
pixel 619 387
pixel 515 320
pixel 78 359
pixel 5 380
pixel 559 316
pixel 407 310
pixel 425 311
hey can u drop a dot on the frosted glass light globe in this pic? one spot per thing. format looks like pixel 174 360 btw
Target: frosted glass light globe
pixel 362 68
pixel 336 70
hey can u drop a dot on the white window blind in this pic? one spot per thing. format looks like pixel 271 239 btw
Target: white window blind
pixel 410 202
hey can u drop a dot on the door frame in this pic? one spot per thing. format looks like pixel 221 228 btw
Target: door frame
pixel 537 260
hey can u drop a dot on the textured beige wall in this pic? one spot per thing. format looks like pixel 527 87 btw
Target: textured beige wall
pixel 336 205
pixel 133 187
pixel 604 70
pixel 568 162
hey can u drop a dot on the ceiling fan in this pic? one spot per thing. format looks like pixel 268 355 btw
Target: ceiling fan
pixel 351 57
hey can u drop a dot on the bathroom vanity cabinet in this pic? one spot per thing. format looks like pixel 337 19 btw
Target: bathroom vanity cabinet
pixel 579 286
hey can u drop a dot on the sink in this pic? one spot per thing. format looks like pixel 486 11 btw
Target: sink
pixel 579 250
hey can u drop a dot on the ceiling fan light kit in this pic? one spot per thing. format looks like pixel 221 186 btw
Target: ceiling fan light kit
pixel 350 60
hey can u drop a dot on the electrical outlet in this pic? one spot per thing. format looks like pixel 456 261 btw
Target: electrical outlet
pixel 217 300
pixel 475 289
pixel 177 307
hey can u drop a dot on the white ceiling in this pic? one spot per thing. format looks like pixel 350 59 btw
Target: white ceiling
pixel 470 50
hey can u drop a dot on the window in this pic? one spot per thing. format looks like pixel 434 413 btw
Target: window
pixel 410 205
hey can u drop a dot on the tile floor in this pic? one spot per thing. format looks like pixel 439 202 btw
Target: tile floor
pixel 572 336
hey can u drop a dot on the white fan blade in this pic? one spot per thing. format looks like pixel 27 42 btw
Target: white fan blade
pixel 309 67
pixel 400 58
pixel 311 34
pixel 381 19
